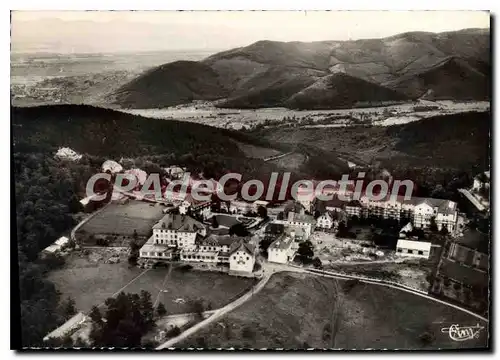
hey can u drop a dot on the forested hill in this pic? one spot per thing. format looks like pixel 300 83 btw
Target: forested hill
pixel 105 132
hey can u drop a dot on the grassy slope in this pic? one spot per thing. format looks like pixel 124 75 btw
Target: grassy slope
pixel 171 84
pixel 292 311
pixel 341 91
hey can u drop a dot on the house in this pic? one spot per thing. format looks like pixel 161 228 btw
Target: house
pixel 412 248
pixel 281 250
pixel 57 245
pixel 443 212
pixel 172 231
pixel 325 221
pixel 304 221
pixel 481 180
pixel 175 172
pixel 111 166
pixel 405 230
pixel 241 257
pixel 240 207
pixel 198 207
pixel 214 248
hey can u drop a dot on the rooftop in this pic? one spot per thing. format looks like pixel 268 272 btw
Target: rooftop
pixel 178 222
pixel 283 242
pixel 242 245
pixel 221 240
pixel 416 245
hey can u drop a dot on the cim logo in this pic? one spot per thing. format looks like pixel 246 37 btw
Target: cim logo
pixel 463 333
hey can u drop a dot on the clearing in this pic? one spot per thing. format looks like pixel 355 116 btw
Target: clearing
pixel 122 219
pixel 294 311
pixel 89 280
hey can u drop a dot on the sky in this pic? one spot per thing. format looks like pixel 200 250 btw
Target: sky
pixel 124 31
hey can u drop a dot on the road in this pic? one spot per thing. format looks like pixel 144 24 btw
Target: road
pixel 277 156
pixel 269 269
pixel 219 313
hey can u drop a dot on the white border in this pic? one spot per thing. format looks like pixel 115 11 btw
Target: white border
pixel 186 5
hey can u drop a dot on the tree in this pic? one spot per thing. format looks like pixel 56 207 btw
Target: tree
pixel 215 223
pixel 262 212
pixel 128 318
pixel 264 244
pixel 196 307
pixel 305 252
pixel 238 230
pixel 95 315
pixel 160 310
pixel 69 308
pixel 317 263
pixel 433 226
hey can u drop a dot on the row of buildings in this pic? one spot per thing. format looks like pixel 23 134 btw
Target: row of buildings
pixel 421 212
pixel 177 235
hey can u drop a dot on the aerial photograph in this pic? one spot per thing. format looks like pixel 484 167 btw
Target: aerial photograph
pixel 250 180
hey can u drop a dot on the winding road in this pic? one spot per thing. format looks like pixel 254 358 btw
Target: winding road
pixel 270 269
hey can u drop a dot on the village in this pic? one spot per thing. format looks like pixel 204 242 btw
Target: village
pixel 425 240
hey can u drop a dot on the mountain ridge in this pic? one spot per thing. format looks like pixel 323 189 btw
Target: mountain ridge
pixel 271 73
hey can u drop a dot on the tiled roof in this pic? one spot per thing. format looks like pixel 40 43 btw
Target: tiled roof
pixel 177 222
pixel 241 245
pixel 221 240
pixel 283 242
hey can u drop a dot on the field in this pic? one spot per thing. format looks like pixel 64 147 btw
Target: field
pixel 123 219
pixel 90 281
pixel 294 311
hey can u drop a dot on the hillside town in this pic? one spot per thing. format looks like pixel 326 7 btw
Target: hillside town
pixel 245 239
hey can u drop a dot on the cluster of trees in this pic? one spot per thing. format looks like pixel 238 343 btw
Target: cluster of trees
pixel 127 318
pixel 46 195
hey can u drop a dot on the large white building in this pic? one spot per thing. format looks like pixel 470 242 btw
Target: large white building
pixel 241 257
pixel 420 211
pixel 186 236
pixel 411 248
pixel 299 221
pixel 281 250
pixel 172 231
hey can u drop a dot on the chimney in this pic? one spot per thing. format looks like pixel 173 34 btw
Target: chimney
pixel 290 216
pixel 292 234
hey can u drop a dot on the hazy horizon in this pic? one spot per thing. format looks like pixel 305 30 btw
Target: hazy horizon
pixel 67 32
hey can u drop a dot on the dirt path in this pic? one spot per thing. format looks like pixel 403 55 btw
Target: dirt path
pixel 217 314
pixel 269 269
pixel 160 290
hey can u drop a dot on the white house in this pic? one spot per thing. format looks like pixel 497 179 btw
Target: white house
pixel 112 166
pixel 214 248
pixel 421 249
pixel 241 257
pixel 325 221
pixel 408 228
pixel 57 245
pixel 281 250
